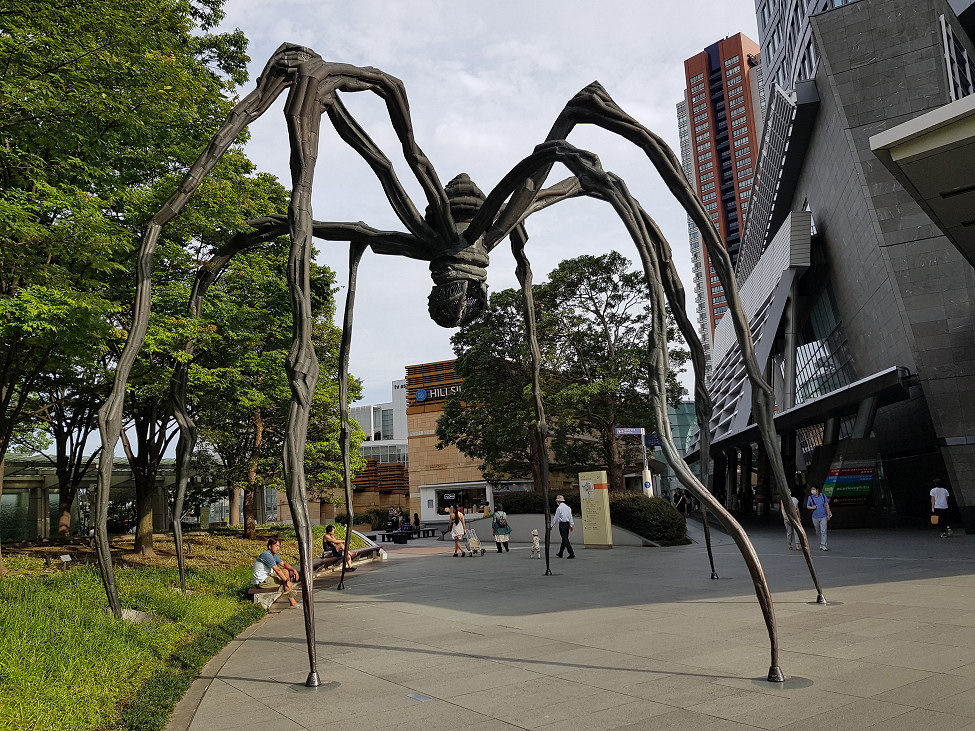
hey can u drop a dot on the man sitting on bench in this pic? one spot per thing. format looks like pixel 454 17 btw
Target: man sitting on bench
pixel 271 571
pixel 332 544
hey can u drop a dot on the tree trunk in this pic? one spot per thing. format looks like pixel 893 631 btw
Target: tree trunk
pixel 3 460
pixel 250 524
pixel 614 464
pixel 66 496
pixel 235 506
pixel 143 505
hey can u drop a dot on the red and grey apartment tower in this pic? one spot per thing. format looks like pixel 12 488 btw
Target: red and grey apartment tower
pixel 720 123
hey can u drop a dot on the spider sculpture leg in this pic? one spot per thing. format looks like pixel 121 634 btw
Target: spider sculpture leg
pixel 524 273
pixel 345 440
pixel 597 183
pixel 593 105
pixel 267 229
pixel 312 83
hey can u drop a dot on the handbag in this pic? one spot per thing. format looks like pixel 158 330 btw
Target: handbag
pixel 934 520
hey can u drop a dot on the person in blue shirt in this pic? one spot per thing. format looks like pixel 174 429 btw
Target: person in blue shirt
pixel 272 571
pixel 822 513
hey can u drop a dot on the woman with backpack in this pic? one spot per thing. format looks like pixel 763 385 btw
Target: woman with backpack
pixel 500 527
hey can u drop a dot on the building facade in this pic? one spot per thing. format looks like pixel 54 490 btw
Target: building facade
pixel 720 123
pixel 862 309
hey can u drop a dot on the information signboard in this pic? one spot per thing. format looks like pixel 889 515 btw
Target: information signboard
pixel 597 529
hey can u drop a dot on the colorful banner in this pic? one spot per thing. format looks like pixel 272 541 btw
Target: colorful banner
pixel 850 483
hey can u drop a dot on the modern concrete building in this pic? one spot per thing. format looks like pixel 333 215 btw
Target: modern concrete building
pixel 720 123
pixel 863 309
pixel 385 428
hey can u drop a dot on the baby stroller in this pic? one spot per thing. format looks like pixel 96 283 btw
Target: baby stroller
pixel 472 543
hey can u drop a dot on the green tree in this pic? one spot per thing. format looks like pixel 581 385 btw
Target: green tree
pixel 593 331
pixel 493 418
pixel 239 387
pixel 101 105
pixel 598 313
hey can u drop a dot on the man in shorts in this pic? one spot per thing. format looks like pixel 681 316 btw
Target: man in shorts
pixel 271 571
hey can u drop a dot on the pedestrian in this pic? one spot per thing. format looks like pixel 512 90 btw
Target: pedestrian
pixel 790 531
pixel 500 527
pixel 680 502
pixel 331 544
pixel 272 572
pixel 822 513
pixel 563 519
pixel 457 530
pixel 939 508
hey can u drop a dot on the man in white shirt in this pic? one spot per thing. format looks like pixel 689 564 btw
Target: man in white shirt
pixel 939 507
pixel 563 519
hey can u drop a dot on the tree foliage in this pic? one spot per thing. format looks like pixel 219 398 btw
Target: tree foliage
pixel 594 326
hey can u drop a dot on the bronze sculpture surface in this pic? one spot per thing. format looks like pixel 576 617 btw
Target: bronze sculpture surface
pixel 456 234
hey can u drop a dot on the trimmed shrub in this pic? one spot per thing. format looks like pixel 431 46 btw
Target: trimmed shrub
pixel 652 518
pixel 534 502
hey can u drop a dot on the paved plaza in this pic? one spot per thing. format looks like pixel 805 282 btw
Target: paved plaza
pixel 636 638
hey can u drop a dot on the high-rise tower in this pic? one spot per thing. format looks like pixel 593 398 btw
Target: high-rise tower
pixel 720 126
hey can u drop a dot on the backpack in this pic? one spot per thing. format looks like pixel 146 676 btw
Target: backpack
pixel 502 521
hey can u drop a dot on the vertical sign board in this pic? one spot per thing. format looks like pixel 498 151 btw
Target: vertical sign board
pixel 597 530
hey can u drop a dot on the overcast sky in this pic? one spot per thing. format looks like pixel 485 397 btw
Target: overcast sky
pixel 485 82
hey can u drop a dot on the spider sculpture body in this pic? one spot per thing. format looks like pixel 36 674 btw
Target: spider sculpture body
pixel 456 234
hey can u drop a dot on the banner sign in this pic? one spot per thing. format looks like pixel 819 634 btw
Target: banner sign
pixel 597 529
pixel 850 483
pixel 622 431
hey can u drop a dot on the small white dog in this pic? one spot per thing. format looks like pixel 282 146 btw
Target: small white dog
pixel 536 545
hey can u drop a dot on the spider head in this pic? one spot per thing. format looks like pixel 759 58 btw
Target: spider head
pixel 459 271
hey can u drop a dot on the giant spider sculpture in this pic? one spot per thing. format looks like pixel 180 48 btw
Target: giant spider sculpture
pixel 458 231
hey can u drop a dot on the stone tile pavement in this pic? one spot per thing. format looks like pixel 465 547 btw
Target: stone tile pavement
pixel 629 638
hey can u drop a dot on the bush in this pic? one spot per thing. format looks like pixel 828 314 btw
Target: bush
pixel 534 502
pixel 652 518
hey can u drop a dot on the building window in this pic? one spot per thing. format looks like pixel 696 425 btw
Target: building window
pixel 736 102
pixel 961 72
pixel 735 91
pixel 744 193
pixel 709 197
pixel 734 80
pixel 712 207
pixel 708 176
pixel 707 186
pixel 701 138
pixel 742 141
pixel 705 155
pixel 699 108
pixel 695 79
pixel 701 127
pixel 739 122
pixel 697 89
pixel 707 165
pixel 696 98
pixel 731 61
pixel 734 70
pixel 746 172
pixel 700 118
pixel 739 132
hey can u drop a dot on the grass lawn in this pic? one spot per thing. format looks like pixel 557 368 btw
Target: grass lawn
pixel 67 663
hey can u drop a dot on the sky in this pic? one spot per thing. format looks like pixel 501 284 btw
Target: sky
pixel 485 81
